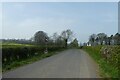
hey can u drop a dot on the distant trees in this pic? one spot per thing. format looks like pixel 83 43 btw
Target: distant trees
pixel 74 43
pixel 109 40
pixel 92 39
pixel 103 39
pixel 19 41
pixel 55 39
pixel 41 38
pixel 65 38
pixel 66 35
pixel 116 39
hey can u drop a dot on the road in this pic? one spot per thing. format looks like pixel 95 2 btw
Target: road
pixel 72 63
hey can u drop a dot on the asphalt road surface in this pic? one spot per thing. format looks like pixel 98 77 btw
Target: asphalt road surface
pixel 72 63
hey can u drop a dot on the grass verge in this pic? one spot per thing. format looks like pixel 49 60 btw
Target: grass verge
pixel 106 69
pixel 18 63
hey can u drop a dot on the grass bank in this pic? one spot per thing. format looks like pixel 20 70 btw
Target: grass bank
pixel 107 70
pixel 18 63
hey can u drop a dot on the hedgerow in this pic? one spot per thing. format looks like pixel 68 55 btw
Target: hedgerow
pixel 108 59
pixel 11 53
pixel 111 54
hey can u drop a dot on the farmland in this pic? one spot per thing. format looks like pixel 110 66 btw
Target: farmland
pixel 60 40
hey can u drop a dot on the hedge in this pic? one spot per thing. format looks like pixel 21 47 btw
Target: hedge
pixel 11 53
pixel 111 54
pixel 107 57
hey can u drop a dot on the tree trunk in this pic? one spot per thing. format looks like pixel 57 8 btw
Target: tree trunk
pixel 66 43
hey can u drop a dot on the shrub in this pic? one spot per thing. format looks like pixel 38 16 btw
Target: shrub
pixel 111 54
pixel 108 59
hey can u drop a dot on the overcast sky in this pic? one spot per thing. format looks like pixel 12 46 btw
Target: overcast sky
pixel 22 20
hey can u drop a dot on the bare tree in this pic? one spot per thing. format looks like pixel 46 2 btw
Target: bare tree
pixel 92 39
pixel 55 37
pixel 101 37
pixel 67 35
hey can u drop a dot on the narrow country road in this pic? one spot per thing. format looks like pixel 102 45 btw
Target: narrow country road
pixel 72 63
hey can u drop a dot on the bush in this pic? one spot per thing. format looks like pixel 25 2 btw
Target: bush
pixel 111 54
pixel 108 59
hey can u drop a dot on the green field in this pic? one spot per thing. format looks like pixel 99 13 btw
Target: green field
pixel 13 43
